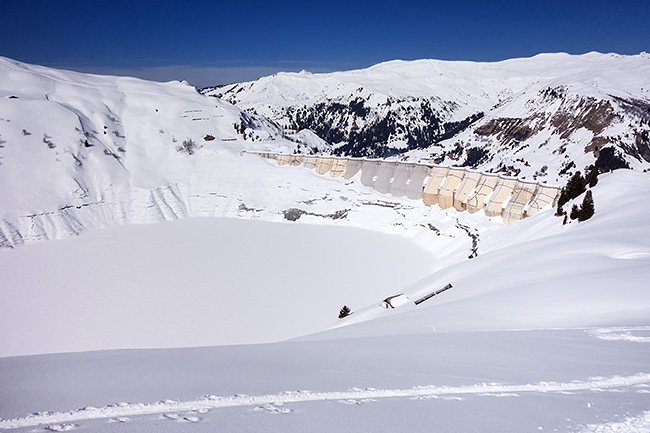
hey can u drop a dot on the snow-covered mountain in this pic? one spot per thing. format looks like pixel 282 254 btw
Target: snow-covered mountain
pixel 81 151
pixel 539 118
pixel 545 326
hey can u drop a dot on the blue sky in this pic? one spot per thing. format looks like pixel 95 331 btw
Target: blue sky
pixel 216 42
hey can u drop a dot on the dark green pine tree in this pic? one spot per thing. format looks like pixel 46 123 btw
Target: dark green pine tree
pixel 574 187
pixel 587 209
pixel 345 311
pixel 561 201
pixel 575 212
pixel 592 177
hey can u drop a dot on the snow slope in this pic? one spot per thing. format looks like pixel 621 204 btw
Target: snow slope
pixel 524 381
pixel 540 274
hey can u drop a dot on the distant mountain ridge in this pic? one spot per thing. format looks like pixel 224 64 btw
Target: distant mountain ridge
pixel 541 118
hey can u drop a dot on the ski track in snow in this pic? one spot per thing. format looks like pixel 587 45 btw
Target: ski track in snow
pixel 62 421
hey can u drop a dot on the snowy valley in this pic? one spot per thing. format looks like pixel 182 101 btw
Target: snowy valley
pixel 223 314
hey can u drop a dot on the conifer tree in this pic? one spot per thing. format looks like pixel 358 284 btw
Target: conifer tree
pixel 574 187
pixel 592 177
pixel 587 209
pixel 345 311
pixel 562 200
pixel 575 211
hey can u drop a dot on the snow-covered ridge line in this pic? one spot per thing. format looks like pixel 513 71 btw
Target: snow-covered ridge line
pixel 446 79
pixel 461 188
pixel 215 402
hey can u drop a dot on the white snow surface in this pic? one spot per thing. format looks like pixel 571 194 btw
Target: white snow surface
pixel 194 282
pixel 538 273
pixel 567 381
pixel 547 329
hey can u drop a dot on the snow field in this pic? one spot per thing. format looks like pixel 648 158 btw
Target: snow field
pixel 194 282
pixel 516 379
pixel 273 403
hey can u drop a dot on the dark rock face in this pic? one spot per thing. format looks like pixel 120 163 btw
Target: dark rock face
pixel 507 130
pixel 609 160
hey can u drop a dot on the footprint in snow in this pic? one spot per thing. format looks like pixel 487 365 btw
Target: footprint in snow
pixel 353 401
pixel 437 397
pixel 181 418
pixel 498 394
pixel 273 408
pixel 61 427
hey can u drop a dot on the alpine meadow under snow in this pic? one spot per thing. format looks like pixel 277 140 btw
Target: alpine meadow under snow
pixel 222 316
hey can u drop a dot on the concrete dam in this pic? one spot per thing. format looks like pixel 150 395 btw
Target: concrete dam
pixel 463 189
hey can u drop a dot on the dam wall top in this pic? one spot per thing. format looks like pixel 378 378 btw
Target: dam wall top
pixel 466 190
